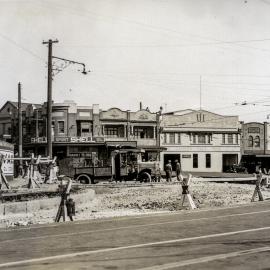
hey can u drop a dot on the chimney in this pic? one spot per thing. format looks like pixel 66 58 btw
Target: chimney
pixel 140 105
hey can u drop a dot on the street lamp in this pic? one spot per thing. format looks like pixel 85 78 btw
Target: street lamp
pixel 49 96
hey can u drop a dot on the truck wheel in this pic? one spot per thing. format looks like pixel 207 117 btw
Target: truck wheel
pixel 84 179
pixel 145 177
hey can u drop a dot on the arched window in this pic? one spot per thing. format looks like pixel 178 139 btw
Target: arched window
pixel 257 141
pixel 250 141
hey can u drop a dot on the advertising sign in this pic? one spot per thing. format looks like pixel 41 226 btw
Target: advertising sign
pixel 63 139
pixel 7 166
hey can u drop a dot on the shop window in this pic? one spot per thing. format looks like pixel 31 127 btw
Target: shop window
pixel 230 138
pixel 208 160
pixel 195 160
pixel 61 127
pixel 201 138
pixel 111 131
pixel 172 138
pixel 144 132
pixel 250 141
pixel 85 129
pixel 257 141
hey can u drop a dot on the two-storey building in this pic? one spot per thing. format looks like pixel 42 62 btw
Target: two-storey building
pixel 88 131
pixel 203 141
pixel 255 145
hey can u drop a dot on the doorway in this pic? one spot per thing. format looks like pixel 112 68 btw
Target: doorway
pixel 172 158
pixel 228 160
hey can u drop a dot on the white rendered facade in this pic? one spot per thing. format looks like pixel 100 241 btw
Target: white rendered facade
pixel 201 140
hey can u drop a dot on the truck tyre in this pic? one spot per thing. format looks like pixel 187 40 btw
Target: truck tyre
pixel 84 179
pixel 145 177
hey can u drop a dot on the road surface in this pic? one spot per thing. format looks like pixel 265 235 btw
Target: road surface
pixel 228 238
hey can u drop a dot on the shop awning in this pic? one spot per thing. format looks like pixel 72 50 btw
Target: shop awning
pixel 121 144
pixel 153 148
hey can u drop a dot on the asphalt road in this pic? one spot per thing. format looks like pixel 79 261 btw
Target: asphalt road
pixel 228 238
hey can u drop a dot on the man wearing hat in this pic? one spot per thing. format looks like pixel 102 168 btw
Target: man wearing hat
pixel 168 170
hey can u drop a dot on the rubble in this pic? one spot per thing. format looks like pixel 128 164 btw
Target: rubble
pixel 143 199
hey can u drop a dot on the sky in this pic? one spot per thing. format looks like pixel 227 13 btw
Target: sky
pixel 178 54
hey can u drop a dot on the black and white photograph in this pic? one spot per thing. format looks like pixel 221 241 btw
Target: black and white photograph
pixel 134 134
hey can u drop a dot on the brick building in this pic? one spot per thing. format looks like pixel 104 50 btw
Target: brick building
pixel 255 145
pixel 86 131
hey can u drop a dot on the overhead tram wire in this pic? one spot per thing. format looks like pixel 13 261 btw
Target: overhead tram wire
pixel 180 82
pixel 218 108
pixel 167 30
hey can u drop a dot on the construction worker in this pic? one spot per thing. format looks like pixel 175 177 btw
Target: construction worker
pixel 168 171
pixel 70 204
pixel 178 169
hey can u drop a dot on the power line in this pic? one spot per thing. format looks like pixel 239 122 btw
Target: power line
pixel 21 47
pixel 172 45
pixel 153 27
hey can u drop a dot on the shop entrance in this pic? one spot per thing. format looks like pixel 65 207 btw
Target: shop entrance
pixel 228 160
pixel 117 162
pixel 172 158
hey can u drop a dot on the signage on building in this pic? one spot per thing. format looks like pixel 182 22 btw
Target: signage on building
pixel 186 156
pixel 7 166
pixel 63 139
pixel 80 139
pixel 253 130
pixel 39 140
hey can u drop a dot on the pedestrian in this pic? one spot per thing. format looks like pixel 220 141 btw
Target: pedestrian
pixel 168 171
pixel 178 170
pixel 258 183
pixel 70 204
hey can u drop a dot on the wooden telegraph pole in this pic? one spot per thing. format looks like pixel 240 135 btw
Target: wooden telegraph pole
pixel 20 125
pixel 49 97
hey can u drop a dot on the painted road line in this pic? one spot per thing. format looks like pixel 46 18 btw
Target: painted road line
pixel 89 252
pixel 129 227
pixel 144 215
pixel 207 259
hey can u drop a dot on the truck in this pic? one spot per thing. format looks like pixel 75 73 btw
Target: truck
pixel 123 165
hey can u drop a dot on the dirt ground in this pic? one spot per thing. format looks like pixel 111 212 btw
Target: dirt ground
pixel 145 198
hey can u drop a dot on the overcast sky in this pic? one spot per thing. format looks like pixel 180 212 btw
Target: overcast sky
pixel 154 51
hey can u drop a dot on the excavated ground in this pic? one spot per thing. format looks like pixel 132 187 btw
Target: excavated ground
pixel 144 198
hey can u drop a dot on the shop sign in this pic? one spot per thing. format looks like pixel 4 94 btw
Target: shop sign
pixel 81 139
pixel 85 155
pixel 63 139
pixel 186 156
pixel 39 140
pixel 7 166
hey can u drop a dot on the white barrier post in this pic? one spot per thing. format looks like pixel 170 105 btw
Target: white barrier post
pixel 186 195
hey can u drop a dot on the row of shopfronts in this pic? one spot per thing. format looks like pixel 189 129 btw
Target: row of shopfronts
pixel 201 140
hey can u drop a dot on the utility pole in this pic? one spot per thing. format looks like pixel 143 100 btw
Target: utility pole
pixel 158 120
pixel 49 97
pixel 20 122
pixel 200 92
